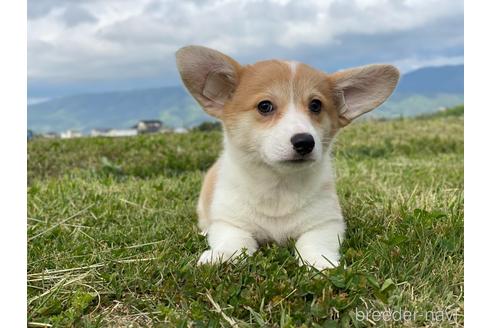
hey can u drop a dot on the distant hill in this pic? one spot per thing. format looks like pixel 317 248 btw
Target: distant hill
pixel 120 109
pixel 433 80
pixel 424 91
pixel 419 92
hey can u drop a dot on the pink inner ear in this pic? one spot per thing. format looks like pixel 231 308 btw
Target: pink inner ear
pixel 343 109
pixel 356 101
pixel 218 87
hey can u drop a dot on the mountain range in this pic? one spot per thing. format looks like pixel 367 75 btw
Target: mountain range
pixel 419 92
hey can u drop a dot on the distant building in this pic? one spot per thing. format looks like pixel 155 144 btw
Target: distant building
pixel 70 134
pixel 180 130
pixel 50 135
pixel 123 133
pixel 149 126
pixel 99 132
pixel 113 132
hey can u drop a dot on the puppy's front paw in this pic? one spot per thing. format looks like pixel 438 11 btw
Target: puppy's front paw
pixel 213 256
pixel 319 261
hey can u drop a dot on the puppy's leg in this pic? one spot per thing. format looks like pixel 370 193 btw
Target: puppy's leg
pixel 319 247
pixel 226 242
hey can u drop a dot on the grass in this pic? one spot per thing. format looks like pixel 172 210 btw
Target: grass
pixel 112 239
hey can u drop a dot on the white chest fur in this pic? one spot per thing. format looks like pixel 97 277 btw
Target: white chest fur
pixel 271 205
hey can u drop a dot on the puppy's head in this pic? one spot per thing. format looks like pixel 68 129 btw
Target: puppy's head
pixel 280 113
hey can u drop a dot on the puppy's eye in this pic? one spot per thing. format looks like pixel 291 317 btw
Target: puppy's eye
pixel 265 107
pixel 315 106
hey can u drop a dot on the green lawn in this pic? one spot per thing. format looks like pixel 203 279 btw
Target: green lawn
pixel 112 239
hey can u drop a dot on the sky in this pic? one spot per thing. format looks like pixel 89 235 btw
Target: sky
pixel 81 46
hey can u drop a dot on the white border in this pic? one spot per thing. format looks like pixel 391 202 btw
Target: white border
pixel 478 162
pixel 13 80
pixel 13 72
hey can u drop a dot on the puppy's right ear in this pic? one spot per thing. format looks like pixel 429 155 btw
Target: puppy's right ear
pixel 210 76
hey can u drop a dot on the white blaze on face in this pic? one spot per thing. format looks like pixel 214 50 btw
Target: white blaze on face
pixel 277 146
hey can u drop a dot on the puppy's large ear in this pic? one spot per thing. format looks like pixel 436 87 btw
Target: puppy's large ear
pixel 210 76
pixel 361 89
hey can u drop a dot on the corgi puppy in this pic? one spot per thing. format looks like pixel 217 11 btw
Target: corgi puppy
pixel 274 180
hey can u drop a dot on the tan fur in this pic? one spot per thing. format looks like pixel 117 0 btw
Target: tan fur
pixel 206 196
pixel 272 80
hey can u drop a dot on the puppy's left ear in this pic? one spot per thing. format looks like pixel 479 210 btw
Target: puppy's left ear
pixel 361 89
pixel 209 75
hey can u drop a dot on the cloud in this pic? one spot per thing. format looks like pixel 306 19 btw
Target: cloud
pixel 39 8
pixel 75 15
pixel 413 63
pixel 124 39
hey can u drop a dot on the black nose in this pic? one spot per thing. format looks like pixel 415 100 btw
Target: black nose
pixel 303 143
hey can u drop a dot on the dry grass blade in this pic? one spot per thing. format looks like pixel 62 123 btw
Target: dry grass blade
pixel 38 324
pixel 93 266
pixel 217 308
pixel 60 223
pixel 55 286
pixel 59 284
pixel 284 298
